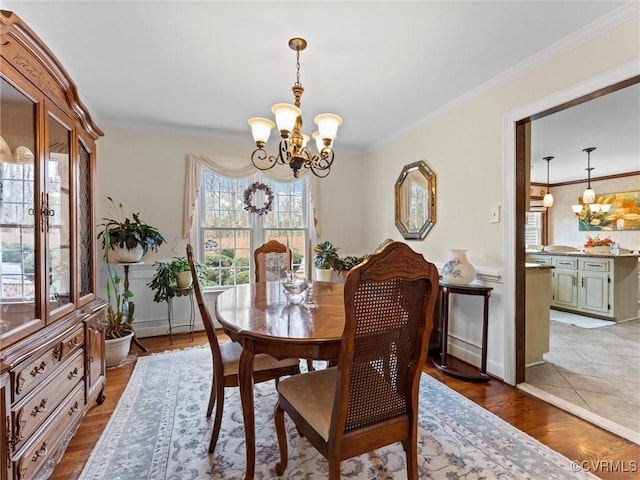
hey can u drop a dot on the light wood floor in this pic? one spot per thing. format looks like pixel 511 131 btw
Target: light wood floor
pixel 604 454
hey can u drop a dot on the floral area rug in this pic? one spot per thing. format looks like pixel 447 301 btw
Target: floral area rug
pixel 159 431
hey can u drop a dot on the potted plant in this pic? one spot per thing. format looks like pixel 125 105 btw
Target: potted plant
pixel 344 265
pixel 120 313
pixel 326 259
pixel 172 276
pixel 126 240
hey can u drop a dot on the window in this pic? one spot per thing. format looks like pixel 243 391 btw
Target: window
pixel 535 233
pixel 229 233
pixel 18 238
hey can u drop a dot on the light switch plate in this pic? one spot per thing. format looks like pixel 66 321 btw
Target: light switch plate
pixel 495 214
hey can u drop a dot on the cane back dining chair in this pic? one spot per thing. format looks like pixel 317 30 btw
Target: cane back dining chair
pixel 226 357
pixel 270 260
pixel 371 398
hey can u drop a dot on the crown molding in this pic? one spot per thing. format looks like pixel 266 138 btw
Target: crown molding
pixel 613 19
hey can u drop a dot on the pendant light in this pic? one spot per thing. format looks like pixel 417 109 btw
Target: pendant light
pixel 547 201
pixel 589 196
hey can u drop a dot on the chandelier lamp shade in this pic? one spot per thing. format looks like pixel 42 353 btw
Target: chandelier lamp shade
pixel 293 149
pixel 547 201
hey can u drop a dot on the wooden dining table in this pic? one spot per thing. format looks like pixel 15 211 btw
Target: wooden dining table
pixel 259 317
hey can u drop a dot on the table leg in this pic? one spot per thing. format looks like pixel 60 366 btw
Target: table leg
pixel 444 334
pixel 245 380
pixel 485 328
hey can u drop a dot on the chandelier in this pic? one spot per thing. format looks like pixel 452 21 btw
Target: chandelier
pixel 293 150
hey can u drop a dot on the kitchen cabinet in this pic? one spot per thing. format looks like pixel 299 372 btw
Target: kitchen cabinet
pixel 564 282
pixel 603 286
pixel 51 329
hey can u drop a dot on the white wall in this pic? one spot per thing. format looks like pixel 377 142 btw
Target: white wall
pixel 563 225
pixel 465 146
pixel 146 173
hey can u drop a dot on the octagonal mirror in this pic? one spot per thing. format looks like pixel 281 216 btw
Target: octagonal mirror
pixel 415 193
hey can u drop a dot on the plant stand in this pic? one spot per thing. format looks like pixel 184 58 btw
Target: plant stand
pixel 125 267
pixel 182 292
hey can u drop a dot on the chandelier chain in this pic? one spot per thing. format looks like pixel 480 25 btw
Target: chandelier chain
pixel 298 68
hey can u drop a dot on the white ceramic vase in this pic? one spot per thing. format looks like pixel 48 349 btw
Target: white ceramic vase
pixel 124 255
pixel 117 349
pixel 458 270
pixel 324 274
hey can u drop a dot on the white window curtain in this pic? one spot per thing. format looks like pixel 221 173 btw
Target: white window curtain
pixel 239 168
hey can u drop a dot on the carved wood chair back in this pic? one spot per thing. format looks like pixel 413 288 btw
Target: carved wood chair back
pixel 371 398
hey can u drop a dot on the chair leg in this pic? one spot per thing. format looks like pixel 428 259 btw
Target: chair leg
pixel 217 423
pixel 411 451
pixel 334 469
pixel 212 398
pixel 278 417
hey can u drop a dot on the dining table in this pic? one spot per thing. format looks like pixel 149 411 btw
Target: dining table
pixel 261 318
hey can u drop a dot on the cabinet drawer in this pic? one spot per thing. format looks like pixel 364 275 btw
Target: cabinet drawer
pixel 34 456
pixel 542 260
pixel 70 343
pixel 30 413
pixel 27 376
pixel 568 263
pixel 595 265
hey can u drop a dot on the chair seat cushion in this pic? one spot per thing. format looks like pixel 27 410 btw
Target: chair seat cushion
pixel 231 351
pixel 311 394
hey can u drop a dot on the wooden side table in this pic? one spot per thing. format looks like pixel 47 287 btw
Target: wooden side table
pixel 444 361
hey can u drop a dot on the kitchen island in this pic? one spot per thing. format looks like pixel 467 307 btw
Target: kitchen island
pixel 597 285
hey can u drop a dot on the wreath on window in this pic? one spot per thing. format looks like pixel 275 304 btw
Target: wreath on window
pixel 248 197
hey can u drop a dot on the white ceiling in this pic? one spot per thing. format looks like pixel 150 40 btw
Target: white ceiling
pixel 204 67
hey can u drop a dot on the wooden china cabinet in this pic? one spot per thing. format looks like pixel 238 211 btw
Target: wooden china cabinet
pixel 51 320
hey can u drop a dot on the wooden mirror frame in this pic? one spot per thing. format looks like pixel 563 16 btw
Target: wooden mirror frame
pixel 418 170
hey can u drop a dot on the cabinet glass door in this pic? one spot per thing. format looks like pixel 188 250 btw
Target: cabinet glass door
pixel 57 210
pixel 18 277
pixel 85 222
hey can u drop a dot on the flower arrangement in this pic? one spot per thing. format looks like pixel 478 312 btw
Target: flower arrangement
pixel 598 242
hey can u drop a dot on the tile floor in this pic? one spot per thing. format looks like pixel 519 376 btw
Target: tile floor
pixel 597 369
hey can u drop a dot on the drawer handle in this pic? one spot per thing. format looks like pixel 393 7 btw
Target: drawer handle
pixel 91 359
pixel 39 408
pixel 57 352
pixel 40 453
pixel 73 373
pixel 74 409
pixel 37 370
pixel 73 343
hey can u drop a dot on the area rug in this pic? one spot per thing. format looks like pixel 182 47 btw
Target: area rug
pixel 159 431
pixel 578 320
